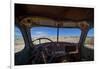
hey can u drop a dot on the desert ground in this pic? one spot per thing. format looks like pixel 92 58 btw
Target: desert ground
pixel 19 43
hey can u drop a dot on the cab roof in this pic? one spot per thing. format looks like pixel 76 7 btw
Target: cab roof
pixel 61 14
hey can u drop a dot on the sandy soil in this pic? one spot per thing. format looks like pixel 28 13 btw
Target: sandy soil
pixel 19 43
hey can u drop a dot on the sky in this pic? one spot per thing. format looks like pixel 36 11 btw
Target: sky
pixel 47 31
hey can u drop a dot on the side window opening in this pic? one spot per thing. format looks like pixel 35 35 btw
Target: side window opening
pixel 19 41
pixel 89 42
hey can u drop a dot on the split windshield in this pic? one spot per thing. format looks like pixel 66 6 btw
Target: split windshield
pixel 71 35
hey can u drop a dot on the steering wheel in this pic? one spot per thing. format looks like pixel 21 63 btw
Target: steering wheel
pixel 43 54
pixel 40 52
pixel 41 39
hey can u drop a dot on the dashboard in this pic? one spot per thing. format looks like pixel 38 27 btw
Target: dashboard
pixel 53 52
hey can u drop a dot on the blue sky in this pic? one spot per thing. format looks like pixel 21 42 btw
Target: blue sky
pixel 47 31
pixel 53 31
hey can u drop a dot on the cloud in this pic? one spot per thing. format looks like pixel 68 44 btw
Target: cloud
pixel 39 34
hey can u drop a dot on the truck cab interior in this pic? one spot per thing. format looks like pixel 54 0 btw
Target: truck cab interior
pixel 53 46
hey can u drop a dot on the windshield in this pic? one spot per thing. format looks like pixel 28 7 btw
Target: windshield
pixel 71 35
